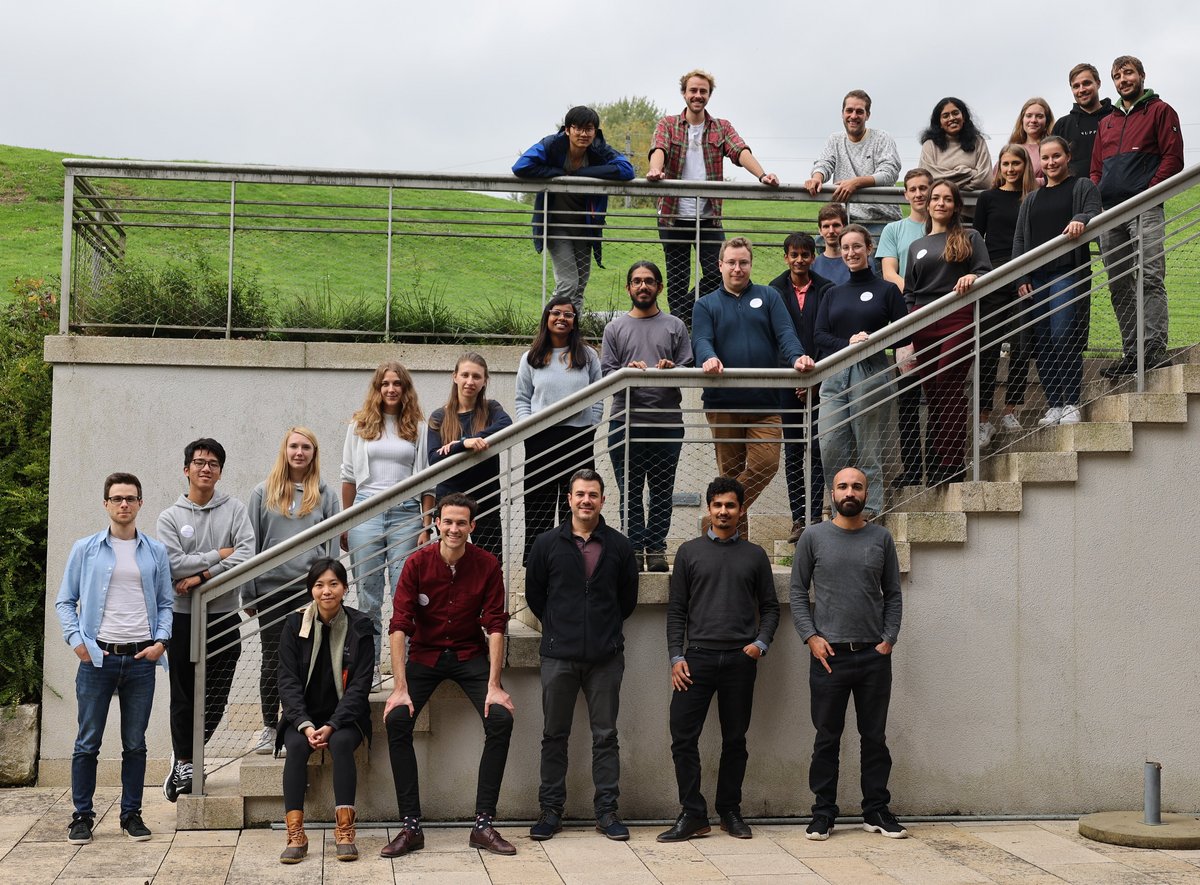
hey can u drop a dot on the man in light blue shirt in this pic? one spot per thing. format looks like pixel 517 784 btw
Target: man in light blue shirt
pixel 115 604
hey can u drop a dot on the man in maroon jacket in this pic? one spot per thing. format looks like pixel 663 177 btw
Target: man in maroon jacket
pixel 449 595
pixel 1138 145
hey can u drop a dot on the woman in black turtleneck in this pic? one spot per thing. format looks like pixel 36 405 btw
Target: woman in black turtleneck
pixel 855 405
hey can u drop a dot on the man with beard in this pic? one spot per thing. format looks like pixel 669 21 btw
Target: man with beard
pixel 850 627
pixel 1079 127
pixel 723 601
pixel 646 338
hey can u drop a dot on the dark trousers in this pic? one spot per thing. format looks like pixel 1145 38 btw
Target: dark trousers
pixel 601 685
pixel 795 442
pixel 998 318
pixel 272 610
pixel 908 423
pixel 551 456
pixel 220 671
pixel 867 675
pixel 729 675
pixel 677 242
pixel 472 677
pixel 342 744
pixel 653 453
pixel 944 357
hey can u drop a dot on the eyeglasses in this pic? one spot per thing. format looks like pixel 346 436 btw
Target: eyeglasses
pixel 562 315
pixel 584 130
pixel 200 463
pixel 122 499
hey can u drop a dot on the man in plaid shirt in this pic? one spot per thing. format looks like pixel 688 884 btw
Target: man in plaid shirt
pixel 693 146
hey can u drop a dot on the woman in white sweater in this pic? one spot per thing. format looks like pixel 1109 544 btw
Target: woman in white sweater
pixel 952 148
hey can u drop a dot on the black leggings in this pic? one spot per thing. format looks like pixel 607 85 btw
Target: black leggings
pixel 342 744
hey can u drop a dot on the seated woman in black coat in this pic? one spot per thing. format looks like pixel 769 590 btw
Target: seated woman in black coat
pixel 326 656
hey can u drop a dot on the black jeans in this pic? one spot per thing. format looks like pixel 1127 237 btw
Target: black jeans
pixel 795 442
pixel 182 674
pixel 601 685
pixel 677 242
pixel 867 675
pixel 551 456
pixel 653 457
pixel 342 744
pixel 729 675
pixel 472 677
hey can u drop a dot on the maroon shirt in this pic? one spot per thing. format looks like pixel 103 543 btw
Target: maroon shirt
pixel 439 609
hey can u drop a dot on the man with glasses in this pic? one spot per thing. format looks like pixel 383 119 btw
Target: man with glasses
pixel 115 607
pixel 693 146
pixel 744 326
pixel 206 533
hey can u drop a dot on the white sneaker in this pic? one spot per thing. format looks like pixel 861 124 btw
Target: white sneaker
pixel 266 742
pixel 1052 417
pixel 986 432
pixel 1010 424
pixel 1070 415
pixel 376 677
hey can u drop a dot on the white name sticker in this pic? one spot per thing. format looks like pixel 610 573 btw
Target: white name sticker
pixel 187 531
pixel 866 296
pixel 756 303
pixel 922 253
pixel 422 599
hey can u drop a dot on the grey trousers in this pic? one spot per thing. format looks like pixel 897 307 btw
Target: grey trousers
pixel 1120 249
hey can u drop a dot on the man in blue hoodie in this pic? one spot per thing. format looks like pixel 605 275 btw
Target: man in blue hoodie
pixel 206 532
pixel 744 326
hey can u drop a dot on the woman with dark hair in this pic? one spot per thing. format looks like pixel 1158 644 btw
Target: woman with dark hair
pixel 1033 124
pixel 945 261
pixel 575 220
pixel 996 220
pixel 855 410
pixel 1059 289
pixel 557 365
pixel 386 443
pixel 953 149
pixel 463 425
pixel 326 655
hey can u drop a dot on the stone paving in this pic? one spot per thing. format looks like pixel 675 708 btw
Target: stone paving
pixel 34 849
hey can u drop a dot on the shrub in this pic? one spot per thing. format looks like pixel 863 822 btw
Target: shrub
pixel 25 393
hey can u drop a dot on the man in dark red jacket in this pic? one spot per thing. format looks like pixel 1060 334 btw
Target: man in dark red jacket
pixel 1138 145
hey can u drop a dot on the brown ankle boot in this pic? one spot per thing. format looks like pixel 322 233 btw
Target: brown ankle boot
pixel 297 843
pixel 343 832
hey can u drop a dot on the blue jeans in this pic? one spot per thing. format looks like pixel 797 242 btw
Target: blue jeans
pixel 653 457
pixel 382 541
pixel 855 423
pixel 132 680
pixel 1057 343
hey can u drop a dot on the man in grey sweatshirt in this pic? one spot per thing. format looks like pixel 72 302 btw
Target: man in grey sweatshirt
pixel 206 533
pixel 850 628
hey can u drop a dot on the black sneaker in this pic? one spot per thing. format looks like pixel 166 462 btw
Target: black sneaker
pixel 820 828
pixel 1120 369
pixel 179 780
pixel 79 831
pixel 884 822
pixel 610 825
pixel 135 828
pixel 548 823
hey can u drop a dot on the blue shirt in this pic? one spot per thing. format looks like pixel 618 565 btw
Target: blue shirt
pixel 84 589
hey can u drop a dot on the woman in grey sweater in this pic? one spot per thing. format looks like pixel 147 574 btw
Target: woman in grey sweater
pixel 293 498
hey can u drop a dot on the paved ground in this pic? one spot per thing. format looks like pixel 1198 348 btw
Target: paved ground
pixel 33 849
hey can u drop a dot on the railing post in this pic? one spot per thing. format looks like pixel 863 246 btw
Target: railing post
pixel 199 656
pixel 811 506
pixel 387 293
pixel 1141 307
pixel 625 434
pixel 697 266
pixel 976 337
pixel 545 241
pixel 68 243
pixel 229 274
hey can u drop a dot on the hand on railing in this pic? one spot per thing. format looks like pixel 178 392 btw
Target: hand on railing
pixel 965 282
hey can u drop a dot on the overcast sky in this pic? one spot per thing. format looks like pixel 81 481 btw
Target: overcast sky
pixel 466 86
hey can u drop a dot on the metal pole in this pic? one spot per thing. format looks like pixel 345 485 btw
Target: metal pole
pixel 545 240
pixel 1153 794
pixel 1141 309
pixel 627 430
pixel 387 296
pixel 811 506
pixel 629 155
pixel 978 404
pixel 68 242
pixel 199 640
pixel 229 275
pixel 697 294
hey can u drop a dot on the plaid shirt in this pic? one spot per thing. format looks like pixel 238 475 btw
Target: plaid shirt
pixel 720 140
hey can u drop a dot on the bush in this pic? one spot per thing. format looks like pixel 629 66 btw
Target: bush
pixel 25 393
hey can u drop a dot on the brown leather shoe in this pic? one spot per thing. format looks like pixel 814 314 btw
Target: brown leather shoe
pixel 406 840
pixel 297 841
pixel 344 832
pixel 486 838
pixel 797 530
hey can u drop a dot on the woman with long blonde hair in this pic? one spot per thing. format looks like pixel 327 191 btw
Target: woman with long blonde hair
pixel 1034 123
pixel 293 498
pixel 386 443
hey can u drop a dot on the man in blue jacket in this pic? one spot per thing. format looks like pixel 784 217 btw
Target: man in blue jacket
pixel 744 326
pixel 115 604
pixel 572 231
pixel 581 581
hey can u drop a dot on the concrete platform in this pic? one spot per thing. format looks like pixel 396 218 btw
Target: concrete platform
pixel 1177 831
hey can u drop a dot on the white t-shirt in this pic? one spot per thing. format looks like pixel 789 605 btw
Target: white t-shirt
pixel 391 459
pixel 125 618
pixel 693 170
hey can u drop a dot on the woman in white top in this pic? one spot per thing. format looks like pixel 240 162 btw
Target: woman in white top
pixel 386 443
pixel 953 148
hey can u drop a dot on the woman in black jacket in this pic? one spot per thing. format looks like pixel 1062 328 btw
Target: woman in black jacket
pixel 326 656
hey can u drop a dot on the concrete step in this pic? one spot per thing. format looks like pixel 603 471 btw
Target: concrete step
pixel 1033 467
pixel 927 527
pixel 968 497
pixel 1090 436
pixel 1149 408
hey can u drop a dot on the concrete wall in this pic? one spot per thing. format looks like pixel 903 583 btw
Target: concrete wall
pixel 1040 663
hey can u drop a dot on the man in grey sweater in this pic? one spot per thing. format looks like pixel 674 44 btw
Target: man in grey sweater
pixel 850 628
pixel 723 597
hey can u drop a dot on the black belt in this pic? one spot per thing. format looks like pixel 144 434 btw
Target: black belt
pixel 852 646
pixel 124 648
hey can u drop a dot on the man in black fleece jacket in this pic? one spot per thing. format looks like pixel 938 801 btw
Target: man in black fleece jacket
pixel 723 597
